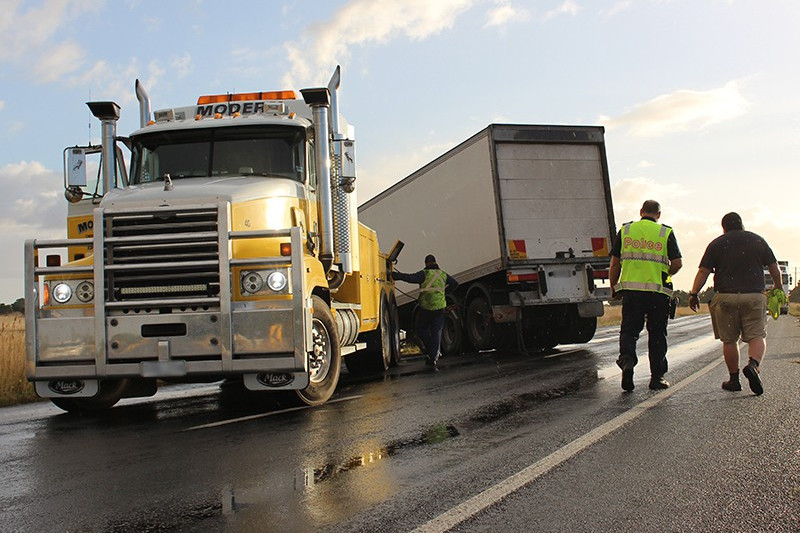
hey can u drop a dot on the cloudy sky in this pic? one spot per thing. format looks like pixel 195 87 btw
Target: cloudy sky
pixel 700 98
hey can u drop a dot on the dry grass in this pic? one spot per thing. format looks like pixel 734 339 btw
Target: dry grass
pixel 613 314
pixel 794 309
pixel 14 387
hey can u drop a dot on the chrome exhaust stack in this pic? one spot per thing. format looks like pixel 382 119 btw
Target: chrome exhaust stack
pixel 336 178
pixel 319 101
pixel 108 114
pixel 343 183
pixel 144 104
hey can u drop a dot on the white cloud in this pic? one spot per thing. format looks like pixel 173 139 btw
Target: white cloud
pixel 567 7
pixel 360 22
pixel 31 197
pixel 58 61
pixel 617 7
pixel 682 110
pixel 503 13
pixel 182 65
pixel 2 105
pixel 28 37
pixel 115 82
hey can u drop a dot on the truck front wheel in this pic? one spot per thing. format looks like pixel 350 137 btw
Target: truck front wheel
pixel 325 359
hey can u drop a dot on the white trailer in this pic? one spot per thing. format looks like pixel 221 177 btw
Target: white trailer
pixel 521 216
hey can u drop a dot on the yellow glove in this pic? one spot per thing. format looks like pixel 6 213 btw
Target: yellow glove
pixel 775 299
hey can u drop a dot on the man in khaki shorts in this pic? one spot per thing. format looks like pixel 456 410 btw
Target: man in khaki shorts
pixel 739 307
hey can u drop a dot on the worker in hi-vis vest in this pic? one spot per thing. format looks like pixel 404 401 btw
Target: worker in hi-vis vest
pixel 433 283
pixel 644 257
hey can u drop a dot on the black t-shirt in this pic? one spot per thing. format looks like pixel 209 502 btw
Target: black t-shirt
pixel 737 259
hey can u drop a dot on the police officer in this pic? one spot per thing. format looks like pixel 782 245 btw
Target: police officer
pixel 433 282
pixel 644 256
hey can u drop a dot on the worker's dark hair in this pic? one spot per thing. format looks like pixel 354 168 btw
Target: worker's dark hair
pixel 651 206
pixel 430 260
pixel 732 221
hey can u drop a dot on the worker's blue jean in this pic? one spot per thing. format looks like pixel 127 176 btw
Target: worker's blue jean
pixel 429 331
pixel 638 307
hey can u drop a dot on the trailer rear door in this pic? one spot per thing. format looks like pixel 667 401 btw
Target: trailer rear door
pixel 553 201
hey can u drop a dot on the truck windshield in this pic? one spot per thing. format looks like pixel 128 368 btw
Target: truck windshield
pixel 219 152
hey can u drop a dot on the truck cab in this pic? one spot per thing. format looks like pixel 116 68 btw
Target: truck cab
pixel 232 251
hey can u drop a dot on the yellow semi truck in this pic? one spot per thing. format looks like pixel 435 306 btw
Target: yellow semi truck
pixel 230 250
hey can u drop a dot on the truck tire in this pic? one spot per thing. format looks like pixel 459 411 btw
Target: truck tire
pixel 377 356
pixel 479 324
pixel 452 333
pixel 326 360
pixel 111 390
pixel 395 315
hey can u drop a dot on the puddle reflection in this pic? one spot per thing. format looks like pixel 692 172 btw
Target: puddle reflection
pixel 431 435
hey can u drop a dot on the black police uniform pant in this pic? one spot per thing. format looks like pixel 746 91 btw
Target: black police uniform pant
pixel 638 308
pixel 429 329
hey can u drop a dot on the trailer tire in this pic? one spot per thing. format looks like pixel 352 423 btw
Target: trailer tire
pixel 479 324
pixel 452 332
pixel 111 390
pixel 326 360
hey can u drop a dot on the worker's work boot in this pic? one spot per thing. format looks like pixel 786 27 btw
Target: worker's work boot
pixel 732 385
pixel 627 379
pixel 658 383
pixel 751 373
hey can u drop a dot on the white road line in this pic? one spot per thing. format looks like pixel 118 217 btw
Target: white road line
pixel 264 415
pixel 497 492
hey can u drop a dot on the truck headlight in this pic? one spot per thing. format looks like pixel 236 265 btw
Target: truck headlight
pixel 62 293
pixel 259 282
pixel 277 281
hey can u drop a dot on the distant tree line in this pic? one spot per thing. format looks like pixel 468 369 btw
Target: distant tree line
pixel 16 307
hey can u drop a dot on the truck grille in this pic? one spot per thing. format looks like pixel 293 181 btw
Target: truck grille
pixel 162 256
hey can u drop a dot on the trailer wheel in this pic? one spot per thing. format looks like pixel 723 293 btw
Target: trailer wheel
pixel 452 333
pixel 325 360
pixel 377 357
pixel 479 324
pixel 110 392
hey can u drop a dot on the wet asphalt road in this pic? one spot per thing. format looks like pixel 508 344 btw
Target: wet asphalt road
pixel 414 449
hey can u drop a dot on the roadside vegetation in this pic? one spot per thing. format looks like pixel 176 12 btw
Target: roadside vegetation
pixel 14 387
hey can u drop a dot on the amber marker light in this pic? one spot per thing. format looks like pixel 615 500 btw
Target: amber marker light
pixel 286 249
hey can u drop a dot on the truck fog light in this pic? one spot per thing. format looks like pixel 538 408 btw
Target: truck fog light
pixel 62 293
pixel 277 281
pixel 252 282
pixel 85 291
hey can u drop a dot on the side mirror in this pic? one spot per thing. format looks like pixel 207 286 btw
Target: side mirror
pixel 76 167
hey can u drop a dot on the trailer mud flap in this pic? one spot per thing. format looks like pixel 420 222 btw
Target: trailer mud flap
pixel 590 309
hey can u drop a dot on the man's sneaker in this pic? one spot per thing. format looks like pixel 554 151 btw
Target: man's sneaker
pixel 731 385
pixel 751 373
pixel 658 383
pixel 627 379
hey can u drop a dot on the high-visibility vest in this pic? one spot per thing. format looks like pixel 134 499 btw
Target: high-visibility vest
pixel 645 263
pixel 431 292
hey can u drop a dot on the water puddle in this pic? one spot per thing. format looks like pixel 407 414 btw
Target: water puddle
pixel 431 435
